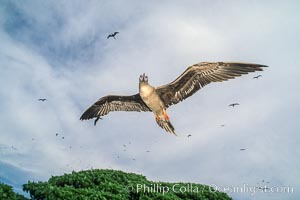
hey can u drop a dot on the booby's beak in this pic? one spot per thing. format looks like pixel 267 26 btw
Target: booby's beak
pixel 143 78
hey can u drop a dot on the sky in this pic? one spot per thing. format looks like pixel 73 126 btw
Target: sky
pixel 58 50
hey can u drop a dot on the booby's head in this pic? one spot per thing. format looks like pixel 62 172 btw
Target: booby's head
pixel 143 78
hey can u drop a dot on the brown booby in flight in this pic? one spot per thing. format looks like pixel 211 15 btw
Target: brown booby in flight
pixel 256 77
pixel 158 99
pixel 112 35
pixel 234 104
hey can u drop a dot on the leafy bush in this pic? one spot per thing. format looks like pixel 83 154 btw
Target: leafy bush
pixel 7 193
pixel 111 184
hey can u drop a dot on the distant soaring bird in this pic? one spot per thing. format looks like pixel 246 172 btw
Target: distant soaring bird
pixel 234 104
pixel 42 99
pixel 112 35
pixel 158 99
pixel 256 77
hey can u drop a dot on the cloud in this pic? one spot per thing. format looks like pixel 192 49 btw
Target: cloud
pixel 59 51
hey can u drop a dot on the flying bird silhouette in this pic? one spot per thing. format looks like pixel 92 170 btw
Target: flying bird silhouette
pixel 158 99
pixel 234 104
pixel 189 135
pixel 14 148
pixel 42 99
pixel 263 188
pixel 256 77
pixel 242 149
pixel 112 35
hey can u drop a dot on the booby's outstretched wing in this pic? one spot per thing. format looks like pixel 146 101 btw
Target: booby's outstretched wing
pixel 115 103
pixel 197 76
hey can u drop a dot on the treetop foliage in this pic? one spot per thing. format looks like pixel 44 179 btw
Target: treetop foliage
pixel 107 184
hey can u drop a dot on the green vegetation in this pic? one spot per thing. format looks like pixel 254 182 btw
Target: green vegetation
pixel 112 184
pixel 7 193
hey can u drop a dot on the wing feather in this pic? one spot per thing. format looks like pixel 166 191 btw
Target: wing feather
pixel 197 76
pixel 112 103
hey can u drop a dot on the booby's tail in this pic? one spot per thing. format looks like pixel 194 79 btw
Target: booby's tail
pixel 166 125
pixel 164 122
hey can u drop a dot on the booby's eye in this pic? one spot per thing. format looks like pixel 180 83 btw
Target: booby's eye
pixel 141 77
pixel 146 78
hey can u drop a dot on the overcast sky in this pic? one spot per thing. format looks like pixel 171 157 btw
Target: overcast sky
pixel 58 50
